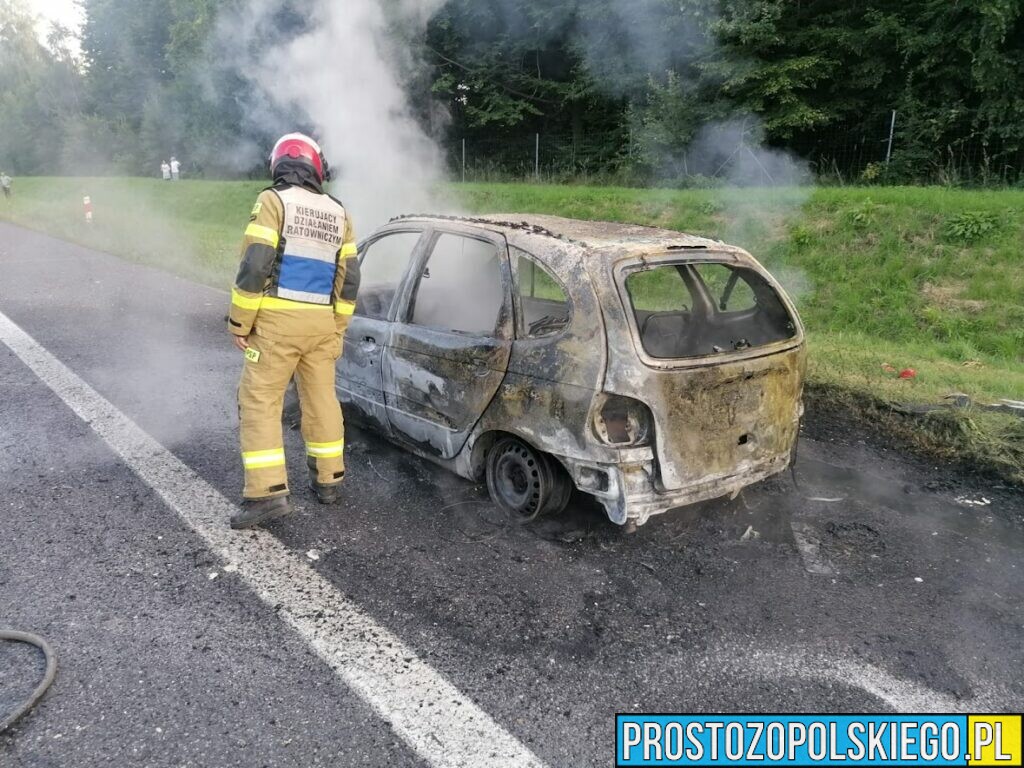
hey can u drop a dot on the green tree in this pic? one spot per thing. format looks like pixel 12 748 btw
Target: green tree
pixel 964 78
pixel 816 69
pixel 123 45
pixel 807 65
pixel 39 92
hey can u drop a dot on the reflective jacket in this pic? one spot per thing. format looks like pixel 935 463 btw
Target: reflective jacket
pixel 299 274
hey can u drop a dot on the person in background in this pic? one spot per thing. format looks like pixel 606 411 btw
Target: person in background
pixel 290 306
pixel 5 182
pixel 165 170
pixel 175 168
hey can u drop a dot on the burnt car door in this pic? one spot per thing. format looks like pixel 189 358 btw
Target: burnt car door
pixel 384 262
pixel 451 340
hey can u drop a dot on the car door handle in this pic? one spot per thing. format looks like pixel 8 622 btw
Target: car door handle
pixel 480 368
pixel 368 343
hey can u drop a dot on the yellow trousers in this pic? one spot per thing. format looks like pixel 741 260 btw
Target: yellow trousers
pixel 269 366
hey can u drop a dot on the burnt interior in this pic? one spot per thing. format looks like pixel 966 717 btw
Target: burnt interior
pixel 543 303
pixel 544 316
pixel 695 310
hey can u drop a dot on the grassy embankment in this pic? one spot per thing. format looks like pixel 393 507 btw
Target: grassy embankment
pixel 926 278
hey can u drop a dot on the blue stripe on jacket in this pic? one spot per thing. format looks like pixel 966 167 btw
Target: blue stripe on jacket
pixel 306 275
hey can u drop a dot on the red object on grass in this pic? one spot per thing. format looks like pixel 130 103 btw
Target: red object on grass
pixel 908 373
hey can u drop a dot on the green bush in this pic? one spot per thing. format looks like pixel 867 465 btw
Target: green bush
pixel 970 226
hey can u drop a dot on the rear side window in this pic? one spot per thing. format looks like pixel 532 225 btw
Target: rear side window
pixel 697 310
pixel 544 309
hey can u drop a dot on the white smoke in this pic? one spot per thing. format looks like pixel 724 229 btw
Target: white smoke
pixel 623 41
pixel 735 152
pixel 345 75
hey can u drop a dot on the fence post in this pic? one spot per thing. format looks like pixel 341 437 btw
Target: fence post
pixel 536 159
pixel 892 132
pixel 463 160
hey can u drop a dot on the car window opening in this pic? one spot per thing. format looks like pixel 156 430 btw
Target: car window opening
pixel 382 267
pixel 696 310
pixel 460 289
pixel 543 303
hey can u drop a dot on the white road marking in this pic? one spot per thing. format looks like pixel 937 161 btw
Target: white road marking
pixel 445 727
pixel 906 695
pixel 780 663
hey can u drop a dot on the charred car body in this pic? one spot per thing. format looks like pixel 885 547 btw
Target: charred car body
pixel 648 368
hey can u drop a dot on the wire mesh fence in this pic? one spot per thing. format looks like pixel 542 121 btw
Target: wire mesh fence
pixel 540 156
pixel 873 152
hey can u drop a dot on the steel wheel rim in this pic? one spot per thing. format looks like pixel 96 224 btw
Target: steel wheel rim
pixel 519 480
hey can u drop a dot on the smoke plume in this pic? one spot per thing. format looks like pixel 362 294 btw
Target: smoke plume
pixel 342 73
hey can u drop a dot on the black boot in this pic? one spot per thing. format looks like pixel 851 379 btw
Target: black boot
pixel 259 511
pixel 325 494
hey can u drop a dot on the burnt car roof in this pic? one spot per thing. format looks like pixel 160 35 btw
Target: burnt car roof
pixel 596 235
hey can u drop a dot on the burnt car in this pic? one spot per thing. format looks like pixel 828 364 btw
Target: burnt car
pixel 648 368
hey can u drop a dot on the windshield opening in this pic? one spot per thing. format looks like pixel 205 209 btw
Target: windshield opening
pixel 696 310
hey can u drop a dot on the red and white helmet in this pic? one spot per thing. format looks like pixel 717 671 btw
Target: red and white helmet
pixel 300 147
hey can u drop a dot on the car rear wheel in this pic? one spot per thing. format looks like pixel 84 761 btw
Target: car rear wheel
pixel 525 482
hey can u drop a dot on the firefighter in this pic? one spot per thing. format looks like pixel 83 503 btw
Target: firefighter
pixel 292 301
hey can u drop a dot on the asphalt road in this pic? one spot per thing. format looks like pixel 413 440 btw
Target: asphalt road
pixel 873 586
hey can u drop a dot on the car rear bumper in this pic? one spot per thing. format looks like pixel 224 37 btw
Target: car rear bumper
pixel 629 490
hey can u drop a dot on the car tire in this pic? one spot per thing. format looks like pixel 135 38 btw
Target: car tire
pixel 525 482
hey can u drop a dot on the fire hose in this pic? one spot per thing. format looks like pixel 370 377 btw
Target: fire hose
pixel 48 676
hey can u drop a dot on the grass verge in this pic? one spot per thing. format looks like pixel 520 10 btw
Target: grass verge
pixel 886 278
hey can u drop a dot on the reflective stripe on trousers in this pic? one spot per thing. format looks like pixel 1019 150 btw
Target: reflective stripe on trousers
pixel 258 459
pixel 326 450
